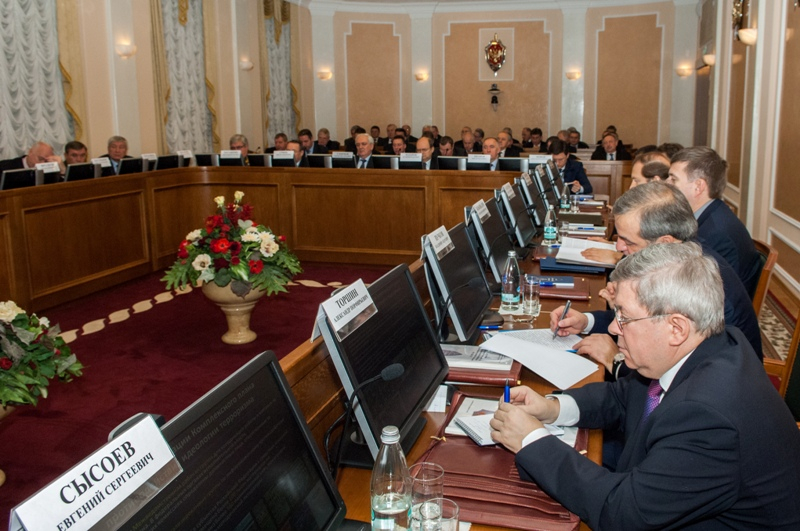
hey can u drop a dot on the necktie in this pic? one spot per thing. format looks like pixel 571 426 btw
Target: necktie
pixel 653 394
pixel 610 156
pixel 363 163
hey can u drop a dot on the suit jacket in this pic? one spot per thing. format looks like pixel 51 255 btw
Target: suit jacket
pixel 513 151
pixel 434 162
pixel 477 147
pixel 369 162
pixel 350 144
pixel 721 450
pixel 541 148
pixel 738 306
pixel 459 151
pixel 573 171
pixel 621 154
pixel 332 145
pixel 12 164
pixel 720 229
pixel 316 149
pixel 303 163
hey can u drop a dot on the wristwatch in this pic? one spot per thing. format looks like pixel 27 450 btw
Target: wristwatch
pixel 619 359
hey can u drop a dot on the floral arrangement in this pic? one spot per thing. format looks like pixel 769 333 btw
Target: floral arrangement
pixel 31 354
pixel 233 249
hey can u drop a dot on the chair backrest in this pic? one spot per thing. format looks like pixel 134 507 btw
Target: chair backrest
pixel 790 381
pixel 769 256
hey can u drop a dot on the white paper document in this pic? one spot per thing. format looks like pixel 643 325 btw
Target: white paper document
pixel 570 251
pixel 559 367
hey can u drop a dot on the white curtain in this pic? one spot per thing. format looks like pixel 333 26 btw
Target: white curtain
pixel 31 95
pixel 280 105
pixel 189 120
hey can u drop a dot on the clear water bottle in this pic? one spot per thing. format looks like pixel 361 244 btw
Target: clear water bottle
pixel 509 299
pixel 564 204
pixel 390 489
pixel 550 228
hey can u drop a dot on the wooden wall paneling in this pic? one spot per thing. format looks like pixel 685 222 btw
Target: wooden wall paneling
pixel 11 268
pixel 456 190
pixel 787 185
pixel 608 177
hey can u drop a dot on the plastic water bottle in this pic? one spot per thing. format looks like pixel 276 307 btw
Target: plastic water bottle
pixel 564 204
pixel 550 228
pixel 390 489
pixel 509 300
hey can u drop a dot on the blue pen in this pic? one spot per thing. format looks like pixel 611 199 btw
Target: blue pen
pixel 489 327
pixel 572 350
pixel 547 284
pixel 507 393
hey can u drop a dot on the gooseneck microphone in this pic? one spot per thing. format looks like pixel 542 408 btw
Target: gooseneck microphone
pixel 472 283
pixel 389 373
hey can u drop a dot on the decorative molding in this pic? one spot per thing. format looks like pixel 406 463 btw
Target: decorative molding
pixel 183 12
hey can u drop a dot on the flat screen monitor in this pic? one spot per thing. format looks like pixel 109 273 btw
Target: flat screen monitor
pixel 457 283
pixel 168 162
pixel 554 176
pixel 12 179
pixel 107 171
pixel 410 164
pixel 479 166
pixel 343 162
pixel 249 461
pixel 517 164
pixel 385 162
pixel 492 238
pixel 544 187
pixel 128 166
pixel 447 162
pixel 283 163
pixel 81 172
pixel 236 161
pixel 517 217
pixel 399 332
pixel 532 200
pixel 207 159
pixel 49 177
pixel 259 160
pixel 315 160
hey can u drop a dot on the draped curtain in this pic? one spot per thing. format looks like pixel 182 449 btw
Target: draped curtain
pixel 282 113
pixel 188 123
pixel 31 93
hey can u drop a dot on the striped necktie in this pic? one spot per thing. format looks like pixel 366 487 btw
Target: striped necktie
pixel 363 164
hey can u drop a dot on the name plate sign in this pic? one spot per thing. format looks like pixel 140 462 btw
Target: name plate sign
pixel 48 167
pixel 441 242
pixel 479 157
pixel 527 178
pixel 106 488
pixel 349 308
pixel 411 157
pixel 538 159
pixel 104 162
pixel 509 190
pixel 342 155
pixel 186 153
pixel 149 156
pixel 230 154
pixel 283 154
pixel 481 210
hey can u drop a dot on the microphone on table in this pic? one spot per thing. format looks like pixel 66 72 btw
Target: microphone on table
pixel 472 283
pixel 389 373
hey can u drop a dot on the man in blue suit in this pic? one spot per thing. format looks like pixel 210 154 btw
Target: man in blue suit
pixel 571 170
pixel 700 173
pixel 709 443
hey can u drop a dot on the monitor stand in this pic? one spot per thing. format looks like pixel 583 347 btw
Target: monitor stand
pixel 492 318
pixel 356 453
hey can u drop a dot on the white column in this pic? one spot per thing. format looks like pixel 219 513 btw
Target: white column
pixel 421 60
pixel 683 88
pixel 124 87
pixel 572 94
pixel 322 43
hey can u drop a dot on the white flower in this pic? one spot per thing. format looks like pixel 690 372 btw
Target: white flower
pixel 220 200
pixel 9 310
pixel 269 247
pixel 251 237
pixel 194 235
pixel 267 237
pixel 237 196
pixel 202 262
pixel 44 321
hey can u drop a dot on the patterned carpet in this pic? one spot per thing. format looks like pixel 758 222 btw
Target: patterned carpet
pixel 776 328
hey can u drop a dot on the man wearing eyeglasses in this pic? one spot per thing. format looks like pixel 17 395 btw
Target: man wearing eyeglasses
pixel 709 443
pixel 653 213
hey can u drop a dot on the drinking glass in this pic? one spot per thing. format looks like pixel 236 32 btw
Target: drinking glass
pixel 563 230
pixel 427 483
pixel 575 203
pixel 439 514
pixel 530 295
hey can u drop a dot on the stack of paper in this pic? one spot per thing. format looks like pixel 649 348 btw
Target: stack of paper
pixel 570 251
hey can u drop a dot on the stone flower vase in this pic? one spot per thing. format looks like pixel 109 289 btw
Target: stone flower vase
pixel 237 311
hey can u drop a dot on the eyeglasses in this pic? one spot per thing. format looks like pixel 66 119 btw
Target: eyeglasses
pixel 622 321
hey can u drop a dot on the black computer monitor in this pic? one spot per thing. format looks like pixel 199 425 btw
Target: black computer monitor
pixel 316 160
pixel 512 164
pixel 399 332
pixel 207 159
pixel 385 162
pixel 554 176
pixel 492 238
pixel 81 172
pixel 447 162
pixel 22 178
pixel 235 161
pixel 544 186
pixel 128 166
pixel 249 461
pixel 479 166
pixel 409 164
pixel 168 162
pixel 518 219
pixel 457 284
pixel 107 171
pixel 531 198
pixel 50 177
pixel 343 162
pixel 283 162
pixel 259 160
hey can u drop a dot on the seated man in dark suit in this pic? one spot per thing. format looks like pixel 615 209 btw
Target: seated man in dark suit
pixel 425 147
pixel 700 173
pixel 300 160
pixel 280 143
pixel 399 144
pixel 708 442
pixel 610 148
pixel 307 143
pixel 350 143
pixel 410 139
pixel 117 150
pixel 507 147
pixel 575 141
pixel 365 145
pixel 571 169
pixel 38 153
pixel 446 147
pixel 375 132
pixel 525 141
pixel 75 152
pixel 538 144
pixel 324 140
pixel 468 145
pixel 645 215
pixel 491 147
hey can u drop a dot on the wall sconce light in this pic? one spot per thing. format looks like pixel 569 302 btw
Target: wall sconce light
pixel 684 71
pixel 324 75
pixel 125 49
pixel 748 36
pixel 572 75
pixel 709 59
pixel 246 64
pixel 494 91
pixel 421 76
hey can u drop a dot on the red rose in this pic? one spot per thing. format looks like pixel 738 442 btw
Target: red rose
pixel 220 246
pixel 235 260
pixel 213 222
pixel 183 253
pixel 6 364
pixel 236 247
pixel 256 266
pixel 282 238
pixel 220 263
